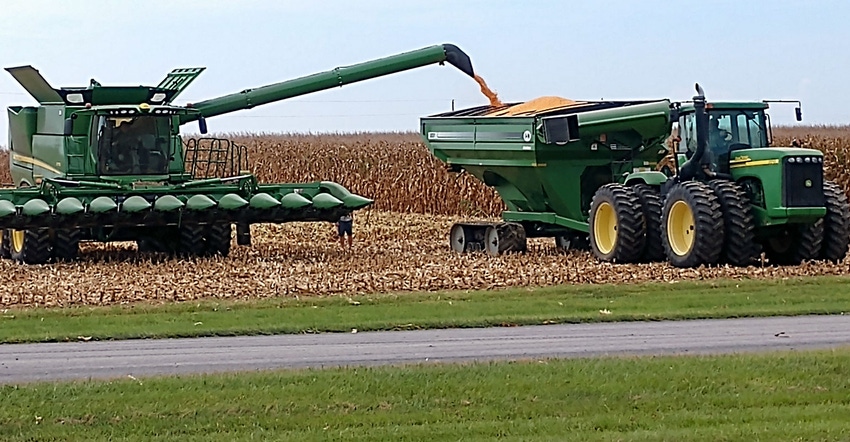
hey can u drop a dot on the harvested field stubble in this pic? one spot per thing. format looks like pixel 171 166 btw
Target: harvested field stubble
pixel 393 253
pixel 401 242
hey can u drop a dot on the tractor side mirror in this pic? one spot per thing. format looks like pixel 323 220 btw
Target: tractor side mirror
pixel 202 125
pixel 69 127
pixel 799 113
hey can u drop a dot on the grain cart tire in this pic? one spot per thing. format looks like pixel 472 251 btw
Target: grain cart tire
pixel 191 240
pixel 504 238
pixel 693 225
pixel 66 244
pixel 5 246
pixel 836 224
pixel 795 244
pixel 739 244
pixel 218 239
pixel 617 225
pixel 573 241
pixel 459 238
pixel 650 202
pixel 31 246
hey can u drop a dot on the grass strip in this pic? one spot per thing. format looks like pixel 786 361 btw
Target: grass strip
pixel 780 396
pixel 515 306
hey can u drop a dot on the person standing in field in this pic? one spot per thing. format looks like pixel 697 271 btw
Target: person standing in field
pixel 344 227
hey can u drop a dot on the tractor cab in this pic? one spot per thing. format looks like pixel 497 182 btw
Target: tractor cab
pixel 730 127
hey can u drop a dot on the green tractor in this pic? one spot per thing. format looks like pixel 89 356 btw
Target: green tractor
pixel 108 163
pixel 735 195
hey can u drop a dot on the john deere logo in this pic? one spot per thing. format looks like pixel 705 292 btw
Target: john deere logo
pixel 808 183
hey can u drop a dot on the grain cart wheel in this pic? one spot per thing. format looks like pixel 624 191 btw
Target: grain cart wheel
pixel 693 225
pixel 795 243
pixel 650 202
pixel 458 238
pixel 31 246
pixel 5 244
pixel 739 244
pixel 836 224
pixel 218 239
pixel 617 225
pixel 191 240
pixel 573 241
pixel 66 244
pixel 504 238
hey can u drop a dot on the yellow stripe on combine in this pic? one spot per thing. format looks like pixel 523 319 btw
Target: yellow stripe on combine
pixel 755 163
pixel 34 162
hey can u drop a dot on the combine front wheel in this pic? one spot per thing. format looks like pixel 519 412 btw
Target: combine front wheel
pixel 617 225
pixel 693 225
pixel 218 239
pixel 5 244
pixel 66 244
pixel 31 246
pixel 503 238
pixel 191 240
pixel 836 224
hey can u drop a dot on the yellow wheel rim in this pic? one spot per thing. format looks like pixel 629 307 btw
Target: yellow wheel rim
pixel 605 228
pixel 18 240
pixel 680 228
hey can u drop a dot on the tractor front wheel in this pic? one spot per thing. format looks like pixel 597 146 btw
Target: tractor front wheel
pixel 617 224
pixel 795 243
pixel 692 225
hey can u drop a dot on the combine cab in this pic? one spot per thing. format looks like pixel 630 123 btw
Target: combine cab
pixel 107 163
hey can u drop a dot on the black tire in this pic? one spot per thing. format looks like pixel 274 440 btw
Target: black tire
pixel 836 224
pixel 218 239
pixel 617 225
pixel 5 245
pixel 692 222
pixel 35 248
pixel 573 241
pixel 191 240
pixel 795 244
pixel 739 244
pixel 505 238
pixel 66 244
pixel 650 203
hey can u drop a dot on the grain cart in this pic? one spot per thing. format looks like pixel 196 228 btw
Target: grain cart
pixel 107 163
pixel 734 195
pixel 547 159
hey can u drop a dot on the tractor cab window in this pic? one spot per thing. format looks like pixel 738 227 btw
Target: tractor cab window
pixel 133 145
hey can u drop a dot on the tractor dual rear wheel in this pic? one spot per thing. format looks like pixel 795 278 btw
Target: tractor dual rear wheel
pixel 836 223
pixel 795 243
pixel 692 223
pixel 5 244
pixel 617 224
pixel 739 244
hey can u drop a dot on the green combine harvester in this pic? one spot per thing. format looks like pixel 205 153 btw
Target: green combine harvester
pixel 586 174
pixel 108 163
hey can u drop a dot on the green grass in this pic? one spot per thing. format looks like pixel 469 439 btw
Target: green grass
pixel 519 306
pixel 781 396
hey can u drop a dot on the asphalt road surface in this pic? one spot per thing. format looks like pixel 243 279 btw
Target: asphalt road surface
pixel 138 358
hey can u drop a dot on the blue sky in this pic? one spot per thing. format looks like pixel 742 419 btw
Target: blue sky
pixel 611 49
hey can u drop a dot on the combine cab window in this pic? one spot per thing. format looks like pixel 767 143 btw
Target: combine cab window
pixel 133 145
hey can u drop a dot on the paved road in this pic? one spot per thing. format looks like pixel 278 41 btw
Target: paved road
pixel 138 358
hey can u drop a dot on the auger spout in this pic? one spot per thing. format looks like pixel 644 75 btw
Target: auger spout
pixel 339 76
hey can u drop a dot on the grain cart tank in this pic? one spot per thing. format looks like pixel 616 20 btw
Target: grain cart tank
pixel 108 163
pixel 547 159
